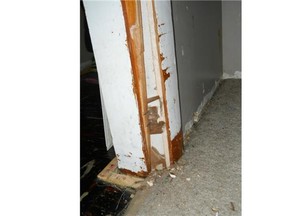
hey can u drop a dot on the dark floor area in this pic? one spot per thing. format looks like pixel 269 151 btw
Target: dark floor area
pixel 97 198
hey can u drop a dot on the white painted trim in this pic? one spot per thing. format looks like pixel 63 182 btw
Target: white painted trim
pixel 167 48
pixel 236 75
pixel 107 131
pixel 109 40
pixel 197 115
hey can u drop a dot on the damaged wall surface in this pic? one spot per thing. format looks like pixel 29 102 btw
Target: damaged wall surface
pixel 198 39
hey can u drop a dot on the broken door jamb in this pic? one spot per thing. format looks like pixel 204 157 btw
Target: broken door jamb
pixel 153 68
pixel 133 24
pixel 166 51
pixel 118 84
pixel 117 37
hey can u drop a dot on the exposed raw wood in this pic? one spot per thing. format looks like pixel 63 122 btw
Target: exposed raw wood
pixel 149 100
pixel 154 126
pixel 155 73
pixel 158 160
pixel 111 174
pixel 133 24
pixel 175 145
pixel 138 48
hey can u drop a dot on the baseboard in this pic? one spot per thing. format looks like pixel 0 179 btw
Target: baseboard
pixel 236 75
pixel 197 115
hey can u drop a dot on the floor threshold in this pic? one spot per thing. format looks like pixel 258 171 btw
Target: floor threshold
pixel 111 174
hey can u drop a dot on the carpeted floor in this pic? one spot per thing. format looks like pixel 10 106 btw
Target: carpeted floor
pixel 208 176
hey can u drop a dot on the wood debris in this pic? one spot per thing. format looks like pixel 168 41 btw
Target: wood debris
pixel 172 175
pixel 150 183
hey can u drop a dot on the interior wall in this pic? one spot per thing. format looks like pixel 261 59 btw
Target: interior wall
pixel 231 24
pixel 198 30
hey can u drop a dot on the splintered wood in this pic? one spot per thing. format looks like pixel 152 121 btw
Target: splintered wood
pixel 111 174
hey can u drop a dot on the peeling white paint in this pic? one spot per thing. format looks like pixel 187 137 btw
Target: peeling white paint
pixel 153 78
pixel 164 15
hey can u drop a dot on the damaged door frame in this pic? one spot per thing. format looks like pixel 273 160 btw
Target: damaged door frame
pixel 140 34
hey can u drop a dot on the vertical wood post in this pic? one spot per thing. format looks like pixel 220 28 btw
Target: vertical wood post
pixel 134 50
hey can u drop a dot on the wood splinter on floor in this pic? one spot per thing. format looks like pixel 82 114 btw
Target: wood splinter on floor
pixel 232 206
pixel 112 175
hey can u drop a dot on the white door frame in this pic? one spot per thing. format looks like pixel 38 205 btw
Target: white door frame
pixel 133 44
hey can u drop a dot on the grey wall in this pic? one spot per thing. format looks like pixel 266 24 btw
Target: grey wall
pixel 231 24
pixel 197 28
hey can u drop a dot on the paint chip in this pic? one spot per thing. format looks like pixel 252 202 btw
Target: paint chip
pixel 188 179
pixel 172 175
pixel 150 183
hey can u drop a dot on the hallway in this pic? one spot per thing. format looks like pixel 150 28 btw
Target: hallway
pixel 208 176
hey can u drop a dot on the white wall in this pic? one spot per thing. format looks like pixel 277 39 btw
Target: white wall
pixel 197 27
pixel 231 24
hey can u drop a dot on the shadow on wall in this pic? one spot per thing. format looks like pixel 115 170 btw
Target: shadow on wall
pixel 86 51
